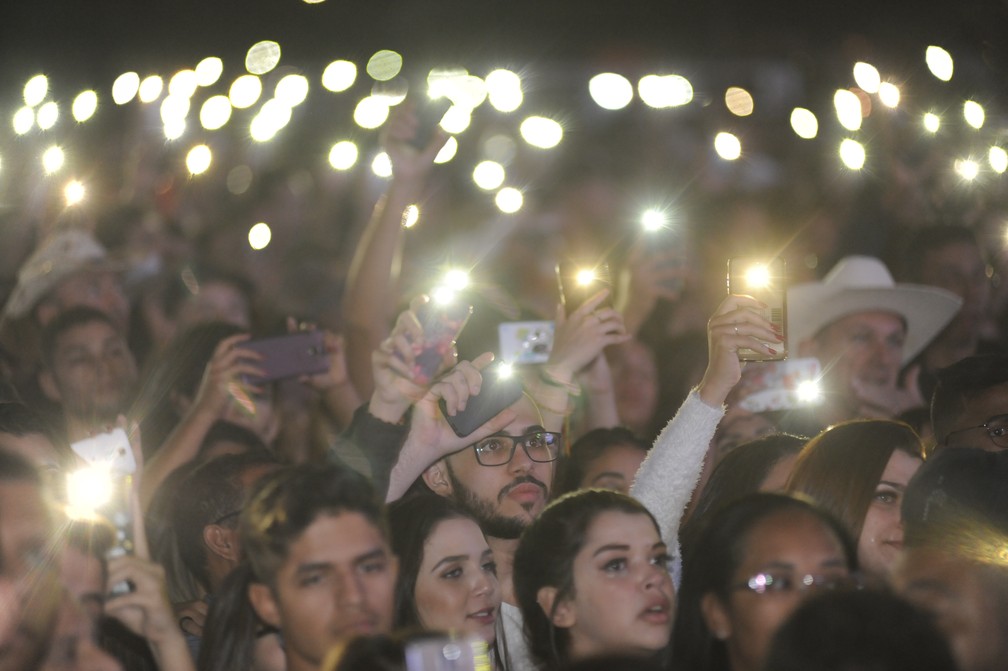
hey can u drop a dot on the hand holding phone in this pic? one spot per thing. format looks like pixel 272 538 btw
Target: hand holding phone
pixel 442 322
pixel 501 388
pixel 766 281
pixel 580 281
pixel 292 355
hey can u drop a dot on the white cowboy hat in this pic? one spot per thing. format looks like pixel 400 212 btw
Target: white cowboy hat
pixel 863 284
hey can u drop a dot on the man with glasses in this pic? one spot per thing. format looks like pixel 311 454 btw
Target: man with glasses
pixel 970 404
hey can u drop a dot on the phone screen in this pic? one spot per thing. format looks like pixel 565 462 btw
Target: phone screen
pixel 766 281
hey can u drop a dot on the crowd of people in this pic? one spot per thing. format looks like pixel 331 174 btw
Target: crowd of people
pixel 649 501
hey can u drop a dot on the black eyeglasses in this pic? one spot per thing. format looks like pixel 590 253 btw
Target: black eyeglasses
pixel 996 429
pixel 762 583
pixel 499 449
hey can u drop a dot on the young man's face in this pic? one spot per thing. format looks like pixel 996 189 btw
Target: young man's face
pixel 336 583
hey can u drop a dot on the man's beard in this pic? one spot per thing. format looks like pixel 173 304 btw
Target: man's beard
pixel 483 511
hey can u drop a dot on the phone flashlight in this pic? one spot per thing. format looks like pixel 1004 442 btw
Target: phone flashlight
pixel 758 276
pixel 809 391
pixel 88 490
pixel 652 220
pixel 766 281
pixel 505 370
pixel 585 276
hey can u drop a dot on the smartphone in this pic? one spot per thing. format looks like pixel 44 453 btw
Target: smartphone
pixel 780 385
pixel 580 281
pixel 119 512
pixel 429 112
pixel 291 355
pixel 442 322
pixel 525 342
pixel 446 653
pixel 501 388
pixel 766 281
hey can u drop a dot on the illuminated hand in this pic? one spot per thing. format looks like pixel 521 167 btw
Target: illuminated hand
pixel 224 370
pixel 581 337
pixel 735 325
pixel 879 401
pixel 409 164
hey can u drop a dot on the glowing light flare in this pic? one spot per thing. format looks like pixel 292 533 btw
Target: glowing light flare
pixel 610 91
pixel 661 91
pixel 757 276
pixel 456 119
pixel 174 128
pixel 23 120
pixel 338 76
pixel 215 112
pixel 259 236
pixel 410 216
pixel 292 90
pixel 727 146
pixel 509 200
pixel 74 193
pixel 867 77
pixel 852 153
pixel 809 391
pixel 447 152
pixel 384 65
pixel 209 70
pixel 504 90
pixel 489 175
pixel 150 89
pixel 456 279
pixel 84 106
pixel 939 62
pixel 382 165
pixel 371 112
pixel 804 123
pixel 183 84
pixel 462 88
pixel 653 220
pixel 973 112
pixel 998 159
pixel 261 130
pixel 88 489
pixel 174 108
pixel 262 57
pixel 198 159
pixel 505 370
pixel 125 87
pixel 967 168
pixel 889 94
pixel 47 115
pixel 343 155
pixel 931 121
pixel 53 159
pixel 35 90
pixel 739 101
pixel 848 109
pixel 541 132
pixel 245 91
pixel 584 277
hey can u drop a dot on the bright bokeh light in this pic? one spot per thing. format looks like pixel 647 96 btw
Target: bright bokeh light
pixel 382 165
pixel 262 57
pixel 343 155
pixel 74 193
pixel 84 106
pixel 174 108
pixel 174 128
pixel 410 216
pixel 739 101
pixel 932 122
pixel 273 116
pixel 125 87
pixel 183 84
pixel 889 94
pixel 339 76
pixel 939 62
pixel 35 90
pixel 998 159
pixel 384 65
pixel 245 91
pixel 150 89
pixel 215 112
pixel 292 90
pixel 973 112
pixel 848 109
pixel 198 159
pixel 456 84
pixel 489 175
pixel 456 279
pixel 653 220
pixel 660 91
pixel 47 115
pixel 541 132
pixel 504 90
pixel 456 119
pixel 758 276
pixel 23 120
pixel 88 489
pixel 804 123
pixel 447 152
pixel 610 91
pixel 371 112
pixel 727 146
pixel 967 168
pixel 584 277
pixel 209 70
pixel 809 391
pixel 867 77
pixel 53 159
pixel 509 200
pixel 259 236
pixel 852 153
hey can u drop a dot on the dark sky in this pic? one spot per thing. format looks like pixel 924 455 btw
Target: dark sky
pixel 94 38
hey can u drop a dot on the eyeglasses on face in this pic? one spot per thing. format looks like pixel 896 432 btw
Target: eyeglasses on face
pixel 499 449
pixel 996 429
pixel 763 583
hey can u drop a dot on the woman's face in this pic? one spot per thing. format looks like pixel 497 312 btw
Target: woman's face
pixel 456 586
pixel 623 595
pixel 882 534
pixel 781 550
pixel 614 469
